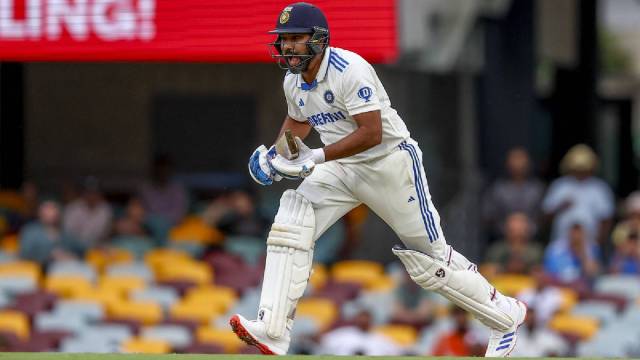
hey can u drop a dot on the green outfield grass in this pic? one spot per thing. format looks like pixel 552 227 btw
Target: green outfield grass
pixel 58 356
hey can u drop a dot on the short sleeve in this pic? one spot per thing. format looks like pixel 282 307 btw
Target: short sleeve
pixel 606 201
pixel 292 108
pixel 359 88
pixel 555 197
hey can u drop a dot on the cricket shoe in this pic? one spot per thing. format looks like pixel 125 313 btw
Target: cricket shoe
pixel 501 343
pixel 253 332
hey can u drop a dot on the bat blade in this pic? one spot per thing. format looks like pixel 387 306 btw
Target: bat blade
pixel 287 146
pixel 293 146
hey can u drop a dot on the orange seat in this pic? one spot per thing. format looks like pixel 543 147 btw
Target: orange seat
pixel 569 299
pixel 584 327
pixel 223 297
pixel 383 284
pixel 21 268
pixel 512 284
pixel 103 296
pixel 147 312
pixel 156 259
pixel 9 243
pixel 15 322
pixel 323 311
pixel 362 272
pixel 319 276
pixel 146 346
pixel 194 229
pixel 403 335
pixel 100 258
pixel 67 286
pixel 202 312
pixel 224 337
pixel 122 284
pixel 189 270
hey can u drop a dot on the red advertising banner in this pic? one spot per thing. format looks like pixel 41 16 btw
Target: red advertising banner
pixel 179 30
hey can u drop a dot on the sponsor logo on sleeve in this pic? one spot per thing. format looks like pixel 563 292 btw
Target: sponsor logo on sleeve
pixel 365 93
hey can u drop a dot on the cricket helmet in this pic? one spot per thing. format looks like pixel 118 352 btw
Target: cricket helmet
pixel 300 18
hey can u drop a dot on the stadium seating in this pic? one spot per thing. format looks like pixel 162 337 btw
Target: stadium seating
pixel 402 335
pixel 584 327
pixel 15 322
pixel 222 337
pixel 146 346
pixel 361 272
pixel 627 286
pixel 178 337
pixel 512 284
pixel 323 311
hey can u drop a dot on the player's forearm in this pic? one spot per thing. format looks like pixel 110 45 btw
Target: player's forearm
pixel 363 139
pixel 299 129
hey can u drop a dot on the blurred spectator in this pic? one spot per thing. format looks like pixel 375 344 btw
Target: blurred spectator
pixel 412 304
pixel 354 223
pixel 19 206
pixel 545 298
pixel 536 340
pixel 162 196
pixel 357 339
pixel 235 213
pixel 516 253
pixel 44 240
pixel 461 341
pixel 579 193
pixel 518 192
pixel 573 258
pixel 626 259
pixel 624 236
pixel 132 222
pixel 89 217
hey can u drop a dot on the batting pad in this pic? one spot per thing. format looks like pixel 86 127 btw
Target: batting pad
pixel 288 264
pixel 462 286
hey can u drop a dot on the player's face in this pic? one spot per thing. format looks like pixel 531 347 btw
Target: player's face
pixel 294 44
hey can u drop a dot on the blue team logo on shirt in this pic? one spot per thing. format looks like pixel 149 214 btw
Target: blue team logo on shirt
pixel 365 93
pixel 329 97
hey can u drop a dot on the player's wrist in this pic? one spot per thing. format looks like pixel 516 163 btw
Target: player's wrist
pixel 317 155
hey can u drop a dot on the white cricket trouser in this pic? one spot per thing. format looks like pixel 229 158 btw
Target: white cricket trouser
pixel 394 187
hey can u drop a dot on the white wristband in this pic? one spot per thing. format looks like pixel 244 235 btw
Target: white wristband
pixel 317 155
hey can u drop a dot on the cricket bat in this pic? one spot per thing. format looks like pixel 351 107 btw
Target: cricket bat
pixel 287 146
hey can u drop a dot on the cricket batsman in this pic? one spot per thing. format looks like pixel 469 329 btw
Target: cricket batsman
pixel 369 157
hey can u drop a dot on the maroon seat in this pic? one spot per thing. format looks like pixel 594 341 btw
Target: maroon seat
pixel 34 345
pixel 33 302
pixel 202 348
pixel 192 325
pixel 53 337
pixel 339 292
pixel 222 262
pixel 8 341
pixel 239 281
pixel 618 301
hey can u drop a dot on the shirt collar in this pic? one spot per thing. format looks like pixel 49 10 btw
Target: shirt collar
pixel 322 73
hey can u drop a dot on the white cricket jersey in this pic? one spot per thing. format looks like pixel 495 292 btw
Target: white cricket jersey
pixel 346 85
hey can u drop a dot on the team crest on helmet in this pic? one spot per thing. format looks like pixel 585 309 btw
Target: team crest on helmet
pixel 329 97
pixel 284 16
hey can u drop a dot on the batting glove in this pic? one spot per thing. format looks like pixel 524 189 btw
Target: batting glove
pixel 259 167
pixel 302 166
